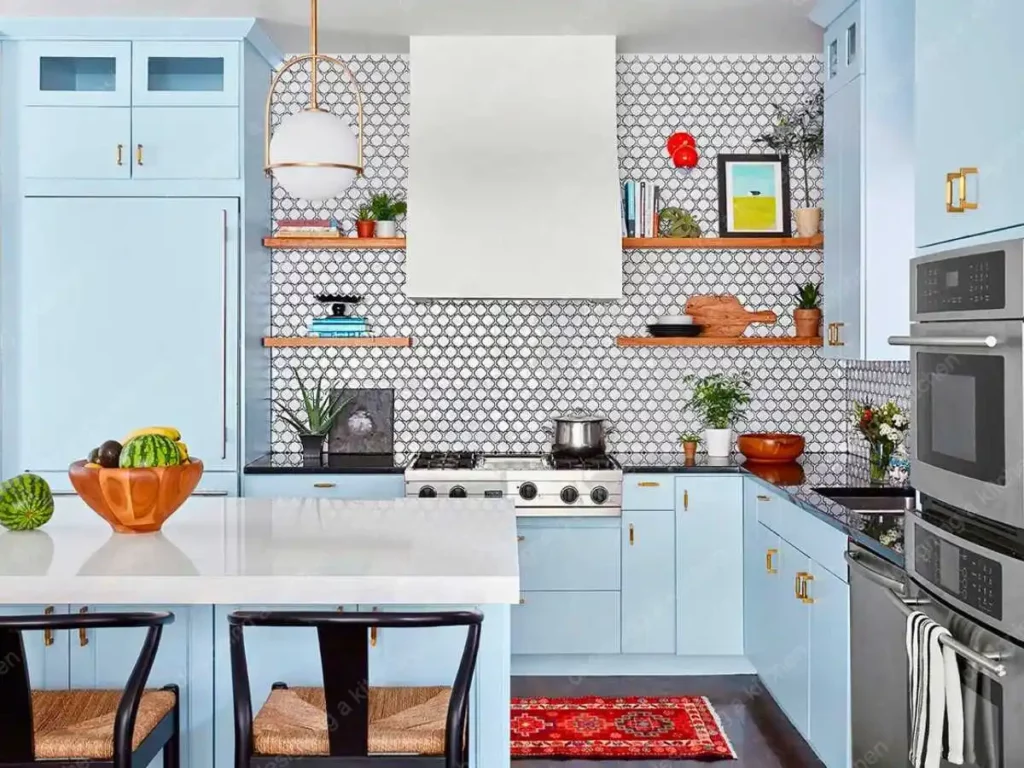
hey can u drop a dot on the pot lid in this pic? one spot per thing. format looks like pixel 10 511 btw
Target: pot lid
pixel 580 417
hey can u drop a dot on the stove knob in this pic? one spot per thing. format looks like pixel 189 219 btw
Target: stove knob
pixel 426 492
pixel 569 495
pixel 458 492
pixel 528 491
pixel 599 495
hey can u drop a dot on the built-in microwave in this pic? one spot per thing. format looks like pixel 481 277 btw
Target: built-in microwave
pixel 967 373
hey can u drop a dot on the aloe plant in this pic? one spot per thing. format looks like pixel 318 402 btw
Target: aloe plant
pixel 689 437
pixel 365 213
pixel 320 409
pixel 808 296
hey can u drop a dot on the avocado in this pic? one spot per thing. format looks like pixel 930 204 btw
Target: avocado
pixel 109 454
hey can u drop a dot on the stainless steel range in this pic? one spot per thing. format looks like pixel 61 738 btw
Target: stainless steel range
pixel 542 485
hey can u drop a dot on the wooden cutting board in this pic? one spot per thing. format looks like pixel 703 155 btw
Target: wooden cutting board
pixel 724 316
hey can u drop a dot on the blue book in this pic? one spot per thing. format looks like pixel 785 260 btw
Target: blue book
pixel 630 209
pixel 340 334
pixel 339 320
pixel 338 326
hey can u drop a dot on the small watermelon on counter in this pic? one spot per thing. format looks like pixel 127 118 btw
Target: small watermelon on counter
pixel 150 451
pixel 26 503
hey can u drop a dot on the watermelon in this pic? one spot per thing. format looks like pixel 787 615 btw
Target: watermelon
pixel 150 451
pixel 25 503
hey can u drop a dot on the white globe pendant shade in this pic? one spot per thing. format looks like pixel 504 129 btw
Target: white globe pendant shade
pixel 314 137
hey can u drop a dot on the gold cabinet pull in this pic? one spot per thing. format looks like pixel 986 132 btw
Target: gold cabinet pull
pixel 686 501
pixel 138 154
pixel 768 564
pixel 838 342
pixel 83 634
pixel 950 178
pixel 120 154
pixel 631 534
pixel 831 334
pixel 762 497
pixel 520 538
pixel 373 631
pixel 324 485
pixel 966 204
pixel 796 586
pixel 48 633
pixel 522 600
pixel 648 484
pixel 802 578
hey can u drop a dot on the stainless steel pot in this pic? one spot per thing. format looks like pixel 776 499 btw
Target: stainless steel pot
pixel 579 434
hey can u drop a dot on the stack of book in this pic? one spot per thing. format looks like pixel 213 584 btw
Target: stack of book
pixel 307 228
pixel 641 202
pixel 339 327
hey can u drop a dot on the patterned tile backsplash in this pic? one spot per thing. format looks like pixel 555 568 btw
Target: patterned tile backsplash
pixel 490 374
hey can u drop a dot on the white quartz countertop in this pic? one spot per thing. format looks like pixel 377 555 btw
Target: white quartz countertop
pixel 272 551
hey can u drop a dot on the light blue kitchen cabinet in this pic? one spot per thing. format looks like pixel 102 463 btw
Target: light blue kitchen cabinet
pixel 567 623
pixel 788 670
pixel 709 565
pixel 176 74
pixel 47 652
pixel 868 175
pixel 571 554
pixel 185 143
pixel 76 142
pixel 86 73
pixel 217 484
pixel 118 323
pixel 403 657
pixel 650 491
pixel 760 577
pixel 968 156
pixel 384 486
pixel 648 581
pixel 104 658
pixel 829 674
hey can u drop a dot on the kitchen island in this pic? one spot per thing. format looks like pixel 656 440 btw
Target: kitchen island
pixel 216 556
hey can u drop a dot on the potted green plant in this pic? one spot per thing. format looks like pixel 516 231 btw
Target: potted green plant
pixel 800 131
pixel 366 225
pixel 320 409
pixel 690 441
pixel 386 209
pixel 720 399
pixel 807 314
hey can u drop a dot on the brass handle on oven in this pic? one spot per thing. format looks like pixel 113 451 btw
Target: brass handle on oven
pixel 950 178
pixel 768 564
pixel 83 634
pixel 964 173
pixel 48 633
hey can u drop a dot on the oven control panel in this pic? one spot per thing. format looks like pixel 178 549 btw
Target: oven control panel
pixel 962 283
pixel 971 578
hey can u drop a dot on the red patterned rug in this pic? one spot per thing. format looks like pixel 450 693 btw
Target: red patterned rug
pixel 632 727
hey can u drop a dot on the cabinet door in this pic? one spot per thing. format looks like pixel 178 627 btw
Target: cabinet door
pixel 47 652
pixel 104 659
pixel 323 486
pixel 126 318
pixel 844 49
pixel 185 74
pixel 88 73
pixel 789 664
pixel 761 601
pixel 648 582
pixel 404 657
pixel 185 143
pixel 76 142
pixel 709 565
pixel 829 728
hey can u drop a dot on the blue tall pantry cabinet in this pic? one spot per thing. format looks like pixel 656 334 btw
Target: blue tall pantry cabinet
pixel 134 284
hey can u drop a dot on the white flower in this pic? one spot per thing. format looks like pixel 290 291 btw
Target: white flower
pixel 889 433
pixel 899 421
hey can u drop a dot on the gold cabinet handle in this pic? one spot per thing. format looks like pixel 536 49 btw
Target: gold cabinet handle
pixel 373 631
pixel 83 634
pixel 762 497
pixel 522 600
pixel 138 154
pixel 648 484
pixel 796 586
pixel 120 154
pixel 950 178
pixel 48 633
pixel 686 501
pixel 631 534
pixel 324 485
pixel 802 579
pixel 966 204
pixel 831 334
pixel 520 538
pixel 768 564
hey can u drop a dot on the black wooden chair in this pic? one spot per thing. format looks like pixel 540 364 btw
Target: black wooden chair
pixel 348 724
pixel 85 728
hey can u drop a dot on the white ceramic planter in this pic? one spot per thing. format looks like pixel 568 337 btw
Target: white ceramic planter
pixel 718 442
pixel 808 221
pixel 387 229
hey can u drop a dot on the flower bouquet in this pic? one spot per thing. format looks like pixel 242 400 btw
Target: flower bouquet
pixel 884 428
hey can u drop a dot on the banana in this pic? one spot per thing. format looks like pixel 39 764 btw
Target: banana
pixel 183 450
pixel 169 432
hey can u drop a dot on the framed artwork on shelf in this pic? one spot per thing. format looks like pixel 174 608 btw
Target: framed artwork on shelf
pixel 753 196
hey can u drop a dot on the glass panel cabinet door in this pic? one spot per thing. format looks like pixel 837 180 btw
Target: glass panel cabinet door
pixel 185 74
pixel 75 74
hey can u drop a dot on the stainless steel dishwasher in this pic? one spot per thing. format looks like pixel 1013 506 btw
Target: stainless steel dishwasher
pixel 879 708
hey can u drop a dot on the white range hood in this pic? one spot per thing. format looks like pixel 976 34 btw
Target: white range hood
pixel 513 169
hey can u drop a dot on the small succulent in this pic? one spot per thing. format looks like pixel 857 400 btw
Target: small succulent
pixel 808 296
pixel 320 409
pixel 689 437
pixel 365 213
pixel 387 208
pixel 675 222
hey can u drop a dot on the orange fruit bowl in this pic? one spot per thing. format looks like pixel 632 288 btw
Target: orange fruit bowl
pixel 135 500
pixel 770 446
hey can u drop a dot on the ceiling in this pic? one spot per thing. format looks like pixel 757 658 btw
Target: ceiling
pixel 370 26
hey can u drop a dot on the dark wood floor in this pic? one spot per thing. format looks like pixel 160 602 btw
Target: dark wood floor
pixel 760 734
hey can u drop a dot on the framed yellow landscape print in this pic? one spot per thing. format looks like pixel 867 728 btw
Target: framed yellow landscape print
pixel 753 196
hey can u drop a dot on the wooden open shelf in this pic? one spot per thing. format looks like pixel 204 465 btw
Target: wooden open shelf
pixel 716 341
pixel 314 341
pixel 333 243
pixel 734 243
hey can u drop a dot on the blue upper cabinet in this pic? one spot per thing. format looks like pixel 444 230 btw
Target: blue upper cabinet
pixel 76 74
pixel 185 143
pixel 77 143
pixel 843 49
pixel 969 157
pixel 185 74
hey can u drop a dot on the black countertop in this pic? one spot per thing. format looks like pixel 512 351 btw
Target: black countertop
pixel 881 533
pixel 331 464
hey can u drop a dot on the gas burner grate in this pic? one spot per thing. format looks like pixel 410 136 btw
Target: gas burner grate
pixel 575 462
pixel 445 460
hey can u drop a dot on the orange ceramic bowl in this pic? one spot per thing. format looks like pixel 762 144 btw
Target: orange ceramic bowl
pixel 771 446
pixel 135 500
pixel 777 472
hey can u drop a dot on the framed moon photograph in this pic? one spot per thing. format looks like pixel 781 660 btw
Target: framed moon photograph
pixel 753 196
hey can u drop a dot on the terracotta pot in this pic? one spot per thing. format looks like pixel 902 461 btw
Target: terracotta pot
pixel 807 322
pixel 808 221
pixel 366 228
pixel 690 450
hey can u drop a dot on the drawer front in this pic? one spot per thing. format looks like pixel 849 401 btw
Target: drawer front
pixel 324 486
pixel 185 143
pixel 816 538
pixel 567 622
pixel 76 143
pixel 648 491
pixel 569 559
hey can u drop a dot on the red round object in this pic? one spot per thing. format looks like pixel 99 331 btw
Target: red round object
pixel 679 140
pixel 685 157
